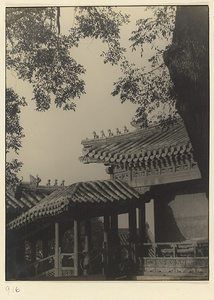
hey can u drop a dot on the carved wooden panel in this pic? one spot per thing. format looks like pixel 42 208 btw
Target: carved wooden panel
pixel 138 173
pixel 180 168
pixel 67 272
pixel 142 189
pixel 153 172
pixel 153 175
pixel 166 170
pixel 122 176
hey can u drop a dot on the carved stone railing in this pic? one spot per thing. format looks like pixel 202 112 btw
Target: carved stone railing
pixel 188 258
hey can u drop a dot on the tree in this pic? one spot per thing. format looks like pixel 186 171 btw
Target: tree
pixel 179 75
pixel 150 88
pixel 188 62
pixel 14 134
pixel 41 55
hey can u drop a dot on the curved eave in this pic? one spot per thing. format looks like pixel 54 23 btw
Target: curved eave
pixel 139 146
pixel 100 191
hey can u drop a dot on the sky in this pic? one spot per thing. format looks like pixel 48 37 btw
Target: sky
pixel 52 143
pixel 36 161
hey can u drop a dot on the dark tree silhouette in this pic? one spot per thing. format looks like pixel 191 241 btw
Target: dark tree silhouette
pixel 188 62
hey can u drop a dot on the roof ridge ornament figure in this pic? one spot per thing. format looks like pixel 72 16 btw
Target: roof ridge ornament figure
pixel 110 133
pixel 34 181
pixel 96 136
pixel 49 183
pixel 118 132
pixel 125 129
pixel 102 133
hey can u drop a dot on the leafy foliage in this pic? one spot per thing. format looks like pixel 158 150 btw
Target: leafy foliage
pixel 14 133
pixel 41 56
pixel 103 23
pixel 156 28
pixel 151 90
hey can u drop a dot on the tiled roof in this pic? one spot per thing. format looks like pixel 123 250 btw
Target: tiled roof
pixel 25 198
pixel 106 191
pixel 139 145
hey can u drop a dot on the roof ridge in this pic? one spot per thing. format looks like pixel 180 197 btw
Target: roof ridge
pixel 127 134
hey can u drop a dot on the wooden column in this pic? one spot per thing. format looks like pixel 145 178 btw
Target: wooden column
pixel 56 262
pixel 114 239
pixel 76 247
pixel 133 232
pixel 87 235
pixel 45 252
pixel 114 229
pixel 142 223
pixel 106 232
pixel 114 224
pixel 106 240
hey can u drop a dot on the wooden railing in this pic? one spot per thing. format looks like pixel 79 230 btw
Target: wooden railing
pixel 41 265
pixel 46 266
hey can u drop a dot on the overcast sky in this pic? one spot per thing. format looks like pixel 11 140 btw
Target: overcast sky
pixel 52 142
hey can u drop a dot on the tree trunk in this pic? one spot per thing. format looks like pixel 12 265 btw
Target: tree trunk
pixel 188 62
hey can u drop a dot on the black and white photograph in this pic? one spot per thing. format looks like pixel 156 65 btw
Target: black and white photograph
pixel 107 123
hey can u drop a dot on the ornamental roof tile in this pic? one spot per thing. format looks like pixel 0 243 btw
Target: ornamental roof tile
pixel 100 191
pixel 24 198
pixel 139 145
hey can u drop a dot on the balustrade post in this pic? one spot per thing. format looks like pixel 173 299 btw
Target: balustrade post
pixel 174 250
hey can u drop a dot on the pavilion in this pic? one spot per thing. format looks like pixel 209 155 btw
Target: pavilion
pixel 149 168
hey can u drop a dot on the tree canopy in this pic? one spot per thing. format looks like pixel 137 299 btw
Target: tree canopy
pixel 150 88
pixel 14 134
pixel 39 53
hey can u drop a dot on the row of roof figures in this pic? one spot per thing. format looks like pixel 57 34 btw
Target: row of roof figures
pixel 34 181
pixel 56 182
pixel 110 133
